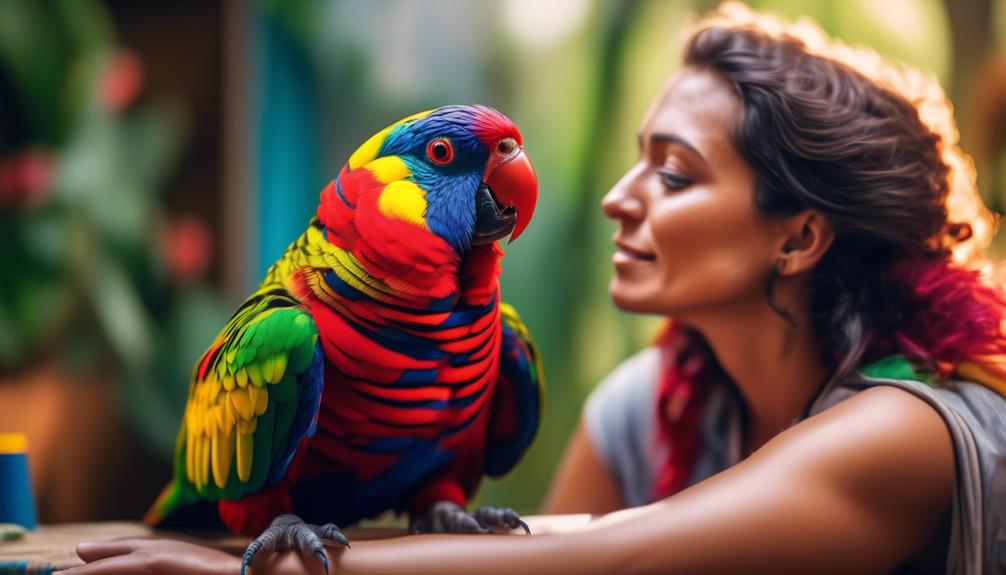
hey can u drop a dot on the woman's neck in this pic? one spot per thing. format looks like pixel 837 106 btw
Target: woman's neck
pixel 777 367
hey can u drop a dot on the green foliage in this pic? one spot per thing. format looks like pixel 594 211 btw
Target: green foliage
pixel 84 281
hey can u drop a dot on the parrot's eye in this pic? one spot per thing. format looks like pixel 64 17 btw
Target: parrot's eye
pixel 506 146
pixel 440 151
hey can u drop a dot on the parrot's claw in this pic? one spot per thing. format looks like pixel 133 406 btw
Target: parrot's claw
pixel 447 517
pixel 500 519
pixel 290 532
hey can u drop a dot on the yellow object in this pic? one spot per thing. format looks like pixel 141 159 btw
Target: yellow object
pixel 405 201
pixel 244 456
pixel 979 374
pixel 349 270
pixel 10 531
pixel 13 443
pixel 222 454
pixel 389 169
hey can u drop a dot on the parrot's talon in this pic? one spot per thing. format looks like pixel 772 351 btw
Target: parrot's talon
pixel 501 519
pixel 291 532
pixel 447 517
pixel 527 530
pixel 249 555
pixel 331 532
pixel 323 557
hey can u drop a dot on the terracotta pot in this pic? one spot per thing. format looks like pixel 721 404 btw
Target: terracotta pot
pixel 85 466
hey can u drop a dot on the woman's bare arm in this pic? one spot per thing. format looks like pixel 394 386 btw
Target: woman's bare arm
pixel 583 483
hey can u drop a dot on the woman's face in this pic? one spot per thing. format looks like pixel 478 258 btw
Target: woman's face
pixel 689 235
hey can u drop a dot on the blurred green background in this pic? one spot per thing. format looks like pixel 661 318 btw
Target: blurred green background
pixel 156 157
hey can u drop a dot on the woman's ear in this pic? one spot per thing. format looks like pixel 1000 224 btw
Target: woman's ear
pixel 805 239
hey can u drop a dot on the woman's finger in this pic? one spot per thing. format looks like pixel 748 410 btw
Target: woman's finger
pixel 119 565
pixel 94 550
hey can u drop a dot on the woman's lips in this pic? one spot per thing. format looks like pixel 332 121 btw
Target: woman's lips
pixel 628 253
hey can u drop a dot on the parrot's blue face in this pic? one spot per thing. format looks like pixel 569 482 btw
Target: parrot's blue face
pixel 479 184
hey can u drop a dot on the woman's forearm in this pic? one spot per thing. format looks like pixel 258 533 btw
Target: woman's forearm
pixel 567 545
pixel 674 536
pixel 554 554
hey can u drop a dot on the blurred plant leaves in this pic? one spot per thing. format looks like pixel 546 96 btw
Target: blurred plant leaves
pixel 85 282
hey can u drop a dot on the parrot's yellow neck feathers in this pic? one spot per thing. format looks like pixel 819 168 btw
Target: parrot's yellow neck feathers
pixel 389 169
pixel 405 201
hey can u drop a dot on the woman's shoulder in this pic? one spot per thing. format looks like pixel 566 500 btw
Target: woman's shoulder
pixel 864 420
pixel 894 402
pixel 882 454
pixel 874 419
pixel 971 402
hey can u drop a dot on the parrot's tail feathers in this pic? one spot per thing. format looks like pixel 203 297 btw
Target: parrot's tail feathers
pixel 175 508
pixel 161 506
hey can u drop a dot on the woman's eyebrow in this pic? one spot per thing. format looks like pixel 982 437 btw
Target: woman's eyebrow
pixel 661 138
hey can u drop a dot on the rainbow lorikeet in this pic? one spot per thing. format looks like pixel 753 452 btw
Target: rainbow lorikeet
pixel 375 367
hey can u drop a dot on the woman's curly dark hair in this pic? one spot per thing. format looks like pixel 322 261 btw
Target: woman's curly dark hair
pixel 817 134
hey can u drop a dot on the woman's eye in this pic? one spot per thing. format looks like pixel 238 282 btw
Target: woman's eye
pixel 674 180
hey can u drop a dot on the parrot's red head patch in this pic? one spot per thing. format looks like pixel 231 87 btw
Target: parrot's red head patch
pixel 491 127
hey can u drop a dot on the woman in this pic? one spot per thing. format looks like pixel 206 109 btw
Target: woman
pixel 828 396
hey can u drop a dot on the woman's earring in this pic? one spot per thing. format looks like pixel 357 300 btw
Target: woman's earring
pixel 780 265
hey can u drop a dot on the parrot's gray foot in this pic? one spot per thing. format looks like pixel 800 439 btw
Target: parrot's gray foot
pixel 290 532
pixel 447 517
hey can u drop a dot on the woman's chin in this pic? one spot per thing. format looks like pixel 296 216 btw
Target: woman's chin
pixel 626 298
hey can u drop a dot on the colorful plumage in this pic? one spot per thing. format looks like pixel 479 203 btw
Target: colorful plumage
pixel 375 367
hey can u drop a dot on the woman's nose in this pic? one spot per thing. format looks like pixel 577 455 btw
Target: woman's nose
pixel 620 203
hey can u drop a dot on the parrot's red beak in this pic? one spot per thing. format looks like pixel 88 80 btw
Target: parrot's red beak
pixel 514 184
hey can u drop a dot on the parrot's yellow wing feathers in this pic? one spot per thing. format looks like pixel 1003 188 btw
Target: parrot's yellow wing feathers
pixel 243 408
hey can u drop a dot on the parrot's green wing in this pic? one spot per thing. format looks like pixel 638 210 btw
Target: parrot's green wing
pixel 255 393
pixel 253 397
pixel 240 412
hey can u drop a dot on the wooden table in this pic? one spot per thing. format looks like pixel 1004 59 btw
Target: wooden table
pixel 55 544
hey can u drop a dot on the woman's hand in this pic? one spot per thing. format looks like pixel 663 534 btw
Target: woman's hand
pixel 152 557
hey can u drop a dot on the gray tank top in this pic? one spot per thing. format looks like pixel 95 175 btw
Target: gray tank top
pixel 620 414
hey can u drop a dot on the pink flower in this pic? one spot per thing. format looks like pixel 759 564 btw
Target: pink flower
pixel 188 248
pixel 26 178
pixel 121 82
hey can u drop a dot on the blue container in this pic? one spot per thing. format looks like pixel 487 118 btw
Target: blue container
pixel 16 502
